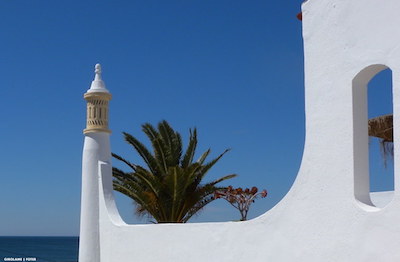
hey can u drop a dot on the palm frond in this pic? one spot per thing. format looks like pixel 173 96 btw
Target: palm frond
pixel 124 160
pixel 219 180
pixel 203 157
pixel 121 175
pixel 160 151
pixel 172 143
pixel 191 149
pixel 148 180
pixel 143 152
pixel 209 165
pixel 199 206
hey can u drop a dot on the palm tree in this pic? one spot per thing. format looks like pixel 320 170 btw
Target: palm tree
pixel 170 188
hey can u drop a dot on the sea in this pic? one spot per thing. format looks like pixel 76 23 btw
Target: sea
pixel 40 249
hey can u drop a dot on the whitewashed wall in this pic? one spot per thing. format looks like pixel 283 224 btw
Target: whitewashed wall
pixel 327 214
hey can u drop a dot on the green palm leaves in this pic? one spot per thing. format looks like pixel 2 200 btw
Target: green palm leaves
pixel 170 187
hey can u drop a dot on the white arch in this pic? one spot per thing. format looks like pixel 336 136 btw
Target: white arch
pixel 360 127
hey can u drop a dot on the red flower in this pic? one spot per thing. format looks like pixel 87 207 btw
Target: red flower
pixel 264 193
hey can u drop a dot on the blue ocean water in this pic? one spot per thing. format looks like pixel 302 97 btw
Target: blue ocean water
pixel 40 249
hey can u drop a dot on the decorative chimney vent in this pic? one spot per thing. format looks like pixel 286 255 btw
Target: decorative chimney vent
pixel 97 98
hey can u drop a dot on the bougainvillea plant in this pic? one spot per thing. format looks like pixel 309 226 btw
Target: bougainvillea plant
pixel 239 198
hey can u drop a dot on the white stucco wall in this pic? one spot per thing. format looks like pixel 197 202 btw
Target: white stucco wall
pixel 381 199
pixel 327 214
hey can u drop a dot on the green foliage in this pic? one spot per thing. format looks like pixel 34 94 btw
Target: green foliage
pixel 170 187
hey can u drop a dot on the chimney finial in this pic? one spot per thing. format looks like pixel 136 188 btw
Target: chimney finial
pixel 97 71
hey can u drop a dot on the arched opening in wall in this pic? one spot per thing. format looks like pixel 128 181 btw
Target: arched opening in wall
pixel 373 136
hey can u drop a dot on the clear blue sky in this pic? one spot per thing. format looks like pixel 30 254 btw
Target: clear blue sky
pixel 233 69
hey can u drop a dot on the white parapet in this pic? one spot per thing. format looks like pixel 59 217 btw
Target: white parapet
pixel 327 215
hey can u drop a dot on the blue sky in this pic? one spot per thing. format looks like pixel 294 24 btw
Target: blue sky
pixel 233 69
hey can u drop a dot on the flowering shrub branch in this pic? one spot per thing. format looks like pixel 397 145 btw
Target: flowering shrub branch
pixel 239 198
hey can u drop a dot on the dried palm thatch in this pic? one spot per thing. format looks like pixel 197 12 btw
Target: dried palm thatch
pixel 382 128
